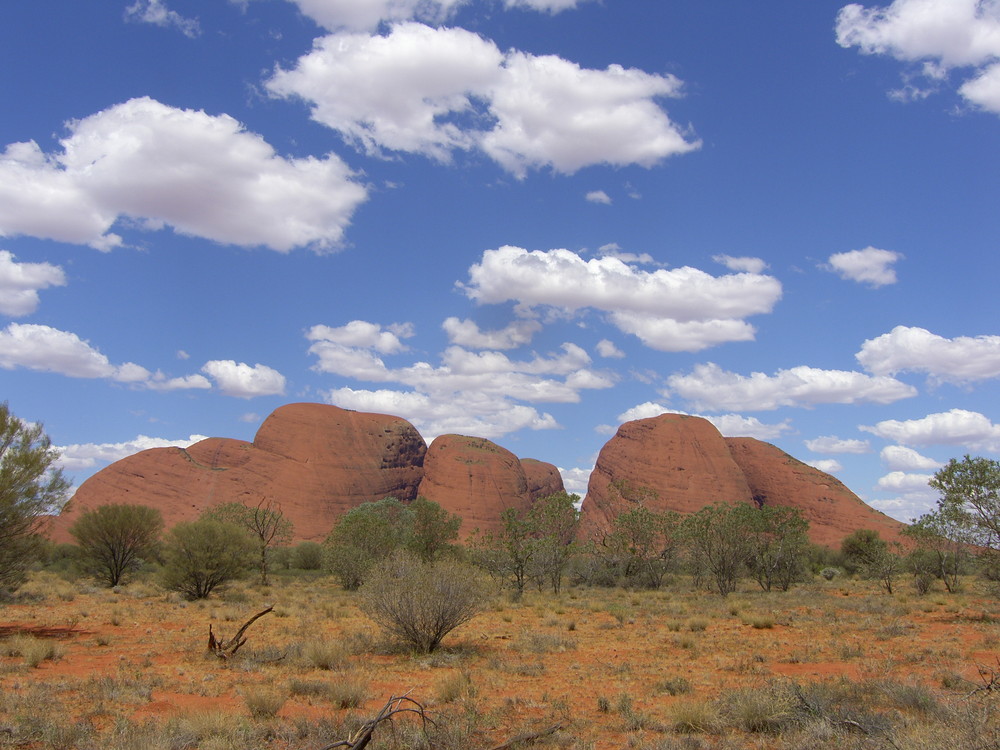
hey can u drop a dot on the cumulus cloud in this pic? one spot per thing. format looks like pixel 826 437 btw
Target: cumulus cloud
pixel 20 283
pixel 245 381
pixel 598 196
pixel 900 481
pixel 710 387
pixel 434 91
pixel 832 444
pixel 901 458
pixel 157 13
pixel 576 480
pixel 366 15
pixel 681 309
pixel 908 349
pixel 828 465
pixel 742 264
pixel 467 333
pixel 869 266
pixel 608 350
pixel 203 175
pixel 361 333
pixel 47 349
pixel 78 457
pixel 955 427
pixel 956 34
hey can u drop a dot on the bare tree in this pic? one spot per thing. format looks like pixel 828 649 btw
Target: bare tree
pixel 265 522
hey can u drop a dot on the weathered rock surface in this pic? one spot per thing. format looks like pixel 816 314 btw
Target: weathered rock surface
pixel 477 480
pixel 832 510
pixel 317 461
pixel 682 463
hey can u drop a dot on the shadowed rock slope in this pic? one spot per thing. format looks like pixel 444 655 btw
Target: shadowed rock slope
pixel 682 463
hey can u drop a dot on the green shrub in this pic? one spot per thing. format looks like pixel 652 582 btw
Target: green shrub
pixel 201 556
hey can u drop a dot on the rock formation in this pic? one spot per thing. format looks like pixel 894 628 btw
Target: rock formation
pixel 681 463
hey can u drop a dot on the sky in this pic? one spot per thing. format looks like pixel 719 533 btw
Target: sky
pixel 526 220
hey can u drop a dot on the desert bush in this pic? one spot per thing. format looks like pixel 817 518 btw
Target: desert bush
pixel 762 709
pixel 421 602
pixel 694 717
pixel 349 691
pixel 829 573
pixel 324 654
pixel 263 702
pixel 307 556
pixel 114 540
pixel 203 555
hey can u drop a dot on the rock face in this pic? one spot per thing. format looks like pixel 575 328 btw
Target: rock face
pixel 317 461
pixel 832 510
pixel 682 463
pixel 477 480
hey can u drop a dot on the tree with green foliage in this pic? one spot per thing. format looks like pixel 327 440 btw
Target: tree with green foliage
pixel 943 541
pixel 718 543
pixel 554 520
pixel 642 546
pixel 264 522
pixel 970 491
pixel 434 530
pixel 779 544
pixel 200 556
pixel 307 556
pixel 115 540
pixel 30 488
pixel 866 552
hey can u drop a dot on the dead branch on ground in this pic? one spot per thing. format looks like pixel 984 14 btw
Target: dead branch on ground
pixel 225 649
pixel 397 704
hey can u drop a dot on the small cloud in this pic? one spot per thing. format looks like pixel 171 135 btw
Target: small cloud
pixel 156 13
pixel 243 381
pixel 831 444
pixel 181 354
pixel 869 266
pixel 828 465
pixel 608 349
pixel 741 265
pixel 250 417
pixel 599 196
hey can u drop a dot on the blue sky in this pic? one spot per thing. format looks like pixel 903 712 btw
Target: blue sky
pixel 528 220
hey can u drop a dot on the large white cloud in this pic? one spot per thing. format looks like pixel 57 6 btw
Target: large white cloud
pixel 433 91
pixel 942 34
pixel 901 458
pixel 47 349
pixel 681 309
pixel 909 349
pixel 88 455
pixel 245 381
pixel 869 266
pixel 957 427
pixel 204 175
pixel 361 333
pixel 710 387
pixel 20 283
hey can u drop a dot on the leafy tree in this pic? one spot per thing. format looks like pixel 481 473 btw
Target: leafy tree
pixel 554 520
pixel 307 556
pixel 508 553
pixel 434 530
pixel 779 543
pixel 642 546
pixel 717 540
pixel 265 523
pixel 203 555
pixel 970 494
pixel 943 542
pixel 421 602
pixel 115 540
pixel 866 552
pixel 364 535
pixel 30 487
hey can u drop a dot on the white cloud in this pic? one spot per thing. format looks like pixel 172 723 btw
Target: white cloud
pixel 952 34
pixel 203 175
pixel 20 282
pixel 710 387
pixel 160 382
pixel 576 480
pixel 608 350
pixel 598 196
pixel 47 349
pixel 467 333
pixel 828 465
pixel 832 444
pixel 366 15
pixel 901 458
pixel 360 333
pixel 88 455
pixel 730 425
pixel 157 13
pixel 680 309
pixel 869 266
pixel 908 349
pixel 900 481
pixel 742 264
pixel 955 427
pixel 244 381
pixel 433 91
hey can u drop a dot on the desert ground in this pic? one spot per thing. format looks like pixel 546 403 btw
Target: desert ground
pixel 838 664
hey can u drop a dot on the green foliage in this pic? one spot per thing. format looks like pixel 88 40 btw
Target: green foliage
pixel 779 542
pixel 867 553
pixel 553 521
pixel 30 487
pixel 373 531
pixel 642 546
pixel 264 522
pixel 203 555
pixel 718 544
pixel 421 602
pixel 307 556
pixel 942 544
pixel 115 540
pixel 969 507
